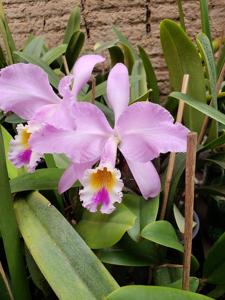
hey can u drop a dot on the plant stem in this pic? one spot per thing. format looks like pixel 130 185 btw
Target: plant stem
pixel 189 205
pixel 10 234
pixel 181 14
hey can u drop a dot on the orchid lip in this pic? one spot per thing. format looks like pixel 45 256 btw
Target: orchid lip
pixel 102 188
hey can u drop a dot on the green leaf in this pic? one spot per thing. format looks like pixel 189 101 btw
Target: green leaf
pixel 205 19
pixel 73 25
pixel 36 275
pixel 74 48
pixel 214 144
pixel 194 283
pixel 205 49
pixel 42 179
pixel 145 211
pixel 179 218
pixel 150 76
pixel 35 47
pixel 6 35
pixel 122 257
pixel 54 53
pixel 10 234
pixel 218 159
pixel 153 293
pixel 214 265
pixel 53 78
pixel 163 233
pixel 181 14
pixel 12 170
pixel 182 58
pixel 202 107
pixel 102 230
pixel 221 60
pixel 69 266
pixel 124 41
pixel 116 55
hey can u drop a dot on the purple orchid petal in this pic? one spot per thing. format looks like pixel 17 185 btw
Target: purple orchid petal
pixel 118 89
pixel 73 173
pixel 82 71
pixel 65 85
pixel 24 88
pixel 79 147
pixel 61 115
pixel 108 156
pixel 146 130
pixel 90 119
pixel 146 178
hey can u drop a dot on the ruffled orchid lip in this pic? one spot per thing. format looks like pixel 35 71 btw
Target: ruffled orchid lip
pixel 102 189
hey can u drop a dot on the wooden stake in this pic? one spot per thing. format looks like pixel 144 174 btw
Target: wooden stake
pixel 172 157
pixel 189 205
pixel 65 65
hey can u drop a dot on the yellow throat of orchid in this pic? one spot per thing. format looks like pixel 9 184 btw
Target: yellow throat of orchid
pixel 102 178
pixel 25 135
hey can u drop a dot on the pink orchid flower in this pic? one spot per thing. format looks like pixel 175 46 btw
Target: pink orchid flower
pixel 26 91
pixel 141 132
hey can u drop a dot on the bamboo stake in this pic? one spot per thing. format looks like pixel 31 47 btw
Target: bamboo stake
pixel 189 205
pixel 65 64
pixel 172 157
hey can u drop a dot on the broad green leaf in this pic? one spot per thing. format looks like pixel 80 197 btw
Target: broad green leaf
pixel 122 257
pixel 42 179
pixel 163 233
pixel 100 46
pixel 194 283
pixel 69 266
pixel 130 253
pixel 54 53
pixel 153 293
pixel 124 41
pixel 214 264
pixel 53 78
pixel 205 19
pixel 35 47
pixel 218 159
pixel 10 234
pixel 116 55
pixel 150 75
pixel 61 161
pixel 102 230
pixel 73 25
pixel 218 292
pixel 205 49
pixel 182 58
pixel 74 48
pixel 129 58
pixel 12 170
pixel 99 91
pixel 145 211
pixel 202 107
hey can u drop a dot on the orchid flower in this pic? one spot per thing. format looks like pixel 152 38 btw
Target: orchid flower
pixel 141 132
pixel 26 91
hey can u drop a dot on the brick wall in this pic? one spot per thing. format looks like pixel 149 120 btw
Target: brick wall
pixel 137 19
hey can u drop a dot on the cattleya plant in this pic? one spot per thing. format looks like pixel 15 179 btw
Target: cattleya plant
pixel 85 157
